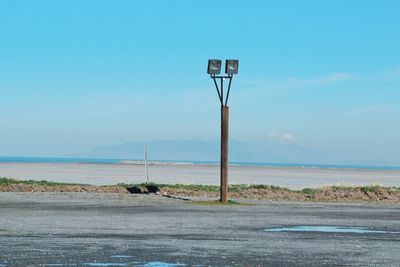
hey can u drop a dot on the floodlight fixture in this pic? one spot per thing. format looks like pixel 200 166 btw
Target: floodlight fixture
pixel 214 66
pixel 231 66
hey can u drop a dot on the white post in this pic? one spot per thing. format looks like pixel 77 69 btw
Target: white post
pixel 145 165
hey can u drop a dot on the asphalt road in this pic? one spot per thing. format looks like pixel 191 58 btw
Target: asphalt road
pixel 79 229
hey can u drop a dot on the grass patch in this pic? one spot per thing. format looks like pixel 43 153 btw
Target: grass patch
pixel 3 231
pixel 371 188
pixel 219 203
pixel 8 181
pixel 394 189
pixel 308 191
pixel 195 189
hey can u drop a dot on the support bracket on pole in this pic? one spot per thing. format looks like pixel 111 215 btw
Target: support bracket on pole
pixel 220 89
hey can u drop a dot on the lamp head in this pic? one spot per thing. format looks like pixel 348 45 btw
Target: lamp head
pixel 231 66
pixel 214 66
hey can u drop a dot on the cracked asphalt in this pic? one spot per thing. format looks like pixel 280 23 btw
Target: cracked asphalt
pixel 83 229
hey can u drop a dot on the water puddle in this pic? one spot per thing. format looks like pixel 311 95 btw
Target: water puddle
pixel 105 264
pixel 57 264
pixel 326 229
pixel 141 264
pixel 122 260
pixel 161 264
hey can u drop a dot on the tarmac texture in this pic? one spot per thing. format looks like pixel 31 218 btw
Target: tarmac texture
pixel 85 229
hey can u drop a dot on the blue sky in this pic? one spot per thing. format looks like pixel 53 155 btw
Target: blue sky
pixel 321 75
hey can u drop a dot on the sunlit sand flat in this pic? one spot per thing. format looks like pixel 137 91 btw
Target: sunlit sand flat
pixel 106 174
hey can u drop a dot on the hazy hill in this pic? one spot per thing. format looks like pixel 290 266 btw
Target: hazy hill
pixel 197 150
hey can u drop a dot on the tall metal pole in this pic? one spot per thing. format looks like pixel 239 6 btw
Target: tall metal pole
pixel 224 152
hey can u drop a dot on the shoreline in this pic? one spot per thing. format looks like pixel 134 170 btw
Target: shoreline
pixel 109 174
pixel 157 162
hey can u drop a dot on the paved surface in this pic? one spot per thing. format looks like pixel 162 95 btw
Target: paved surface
pixel 79 229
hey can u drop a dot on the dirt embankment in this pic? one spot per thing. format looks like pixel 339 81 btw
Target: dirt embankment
pixel 327 194
pixel 62 188
pixel 330 194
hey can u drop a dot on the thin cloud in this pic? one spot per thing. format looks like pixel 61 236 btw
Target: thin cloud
pixel 289 138
pixel 283 137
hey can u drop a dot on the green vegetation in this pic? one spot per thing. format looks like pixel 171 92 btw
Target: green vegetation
pixel 240 188
pixel 309 191
pixel 371 188
pixel 8 181
pixel 394 189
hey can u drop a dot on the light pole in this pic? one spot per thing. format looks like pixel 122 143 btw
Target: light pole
pixel 231 68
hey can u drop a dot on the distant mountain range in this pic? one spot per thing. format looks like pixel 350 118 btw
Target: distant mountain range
pixel 197 150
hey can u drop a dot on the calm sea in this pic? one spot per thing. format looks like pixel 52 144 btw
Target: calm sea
pixel 4 159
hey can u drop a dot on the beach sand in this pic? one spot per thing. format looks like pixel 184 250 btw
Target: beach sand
pixel 107 174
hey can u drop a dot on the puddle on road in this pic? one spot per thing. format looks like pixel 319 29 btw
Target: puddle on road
pixel 326 229
pixel 161 264
pixel 110 264
pixel 58 264
pixel 141 264
pixel 104 264
pixel 121 262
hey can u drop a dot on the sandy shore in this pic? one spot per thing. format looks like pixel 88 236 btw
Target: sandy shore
pixel 107 174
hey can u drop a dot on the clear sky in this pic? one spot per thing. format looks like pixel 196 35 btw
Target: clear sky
pixel 322 75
